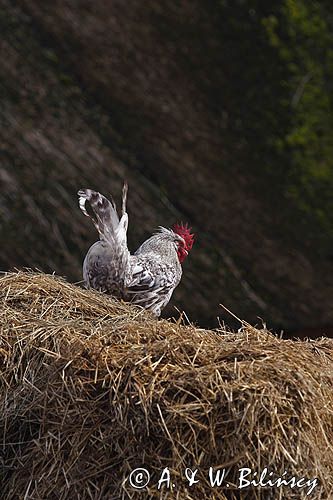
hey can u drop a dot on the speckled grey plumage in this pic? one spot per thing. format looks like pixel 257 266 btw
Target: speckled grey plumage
pixel 147 278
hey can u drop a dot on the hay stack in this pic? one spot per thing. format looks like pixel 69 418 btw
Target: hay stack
pixel 92 388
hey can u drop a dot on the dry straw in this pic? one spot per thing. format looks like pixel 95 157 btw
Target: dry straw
pixel 92 388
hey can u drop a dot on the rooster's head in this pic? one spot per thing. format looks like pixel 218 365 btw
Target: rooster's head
pixel 184 247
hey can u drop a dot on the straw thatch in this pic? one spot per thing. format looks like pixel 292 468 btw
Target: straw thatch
pixel 92 388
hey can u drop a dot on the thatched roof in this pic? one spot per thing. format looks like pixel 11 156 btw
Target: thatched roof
pixel 92 388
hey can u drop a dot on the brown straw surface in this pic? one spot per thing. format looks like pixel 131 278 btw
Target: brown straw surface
pixel 92 388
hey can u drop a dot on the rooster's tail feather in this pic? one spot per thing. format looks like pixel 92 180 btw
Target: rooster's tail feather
pixel 105 217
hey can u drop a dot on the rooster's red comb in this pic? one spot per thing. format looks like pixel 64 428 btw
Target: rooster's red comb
pixel 185 232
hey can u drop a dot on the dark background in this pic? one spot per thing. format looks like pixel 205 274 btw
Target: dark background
pixel 218 113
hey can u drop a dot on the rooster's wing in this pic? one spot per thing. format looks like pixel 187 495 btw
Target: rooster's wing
pixel 152 283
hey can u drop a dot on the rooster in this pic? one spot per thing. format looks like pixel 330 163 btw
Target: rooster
pixel 147 278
